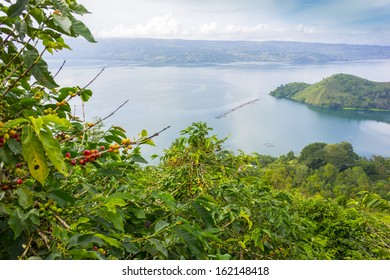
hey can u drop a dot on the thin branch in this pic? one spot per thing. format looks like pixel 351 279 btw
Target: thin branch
pixel 100 121
pixel 154 135
pixel 101 71
pixel 31 38
pixel 85 130
pixel 27 248
pixel 59 70
pixel 78 93
pixel 24 73
pixel 62 222
pixel 12 31
pixel 44 237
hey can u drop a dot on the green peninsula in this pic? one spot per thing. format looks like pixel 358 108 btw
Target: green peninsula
pixel 340 91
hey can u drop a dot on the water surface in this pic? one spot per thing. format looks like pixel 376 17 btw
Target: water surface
pixel 181 95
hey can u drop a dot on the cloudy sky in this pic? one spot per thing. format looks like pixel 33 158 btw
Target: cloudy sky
pixel 332 21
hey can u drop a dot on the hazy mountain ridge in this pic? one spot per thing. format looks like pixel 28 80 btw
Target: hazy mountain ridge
pixel 163 51
pixel 339 91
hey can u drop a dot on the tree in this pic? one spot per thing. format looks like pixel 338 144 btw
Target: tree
pixel 340 155
pixel 313 155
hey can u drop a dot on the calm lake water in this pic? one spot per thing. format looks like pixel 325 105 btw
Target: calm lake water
pixel 180 95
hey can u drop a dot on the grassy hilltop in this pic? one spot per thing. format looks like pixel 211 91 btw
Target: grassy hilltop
pixel 340 91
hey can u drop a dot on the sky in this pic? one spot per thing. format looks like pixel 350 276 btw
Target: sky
pixel 326 21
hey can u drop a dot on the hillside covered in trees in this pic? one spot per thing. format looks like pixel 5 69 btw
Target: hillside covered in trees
pixel 193 52
pixel 340 91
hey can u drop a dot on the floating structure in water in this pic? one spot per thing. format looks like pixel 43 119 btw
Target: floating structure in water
pixel 236 108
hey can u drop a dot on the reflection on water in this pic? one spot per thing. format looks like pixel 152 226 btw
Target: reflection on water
pixel 376 128
pixel 355 115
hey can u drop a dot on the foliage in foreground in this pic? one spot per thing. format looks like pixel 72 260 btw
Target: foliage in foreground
pixel 72 190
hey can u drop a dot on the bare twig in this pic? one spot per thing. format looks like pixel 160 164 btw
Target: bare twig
pixel 62 222
pixel 44 237
pixel 26 249
pixel 24 73
pixel 154 135
pixel 59 70
pixel 100 121
pixel 98 74
pixel 85 130
pixel 78 93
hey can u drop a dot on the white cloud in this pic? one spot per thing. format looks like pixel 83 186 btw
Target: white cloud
pixel 163 26
pixel 167 26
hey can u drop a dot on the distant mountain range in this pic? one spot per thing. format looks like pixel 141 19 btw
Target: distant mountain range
pixel 162 51
pixel 340 91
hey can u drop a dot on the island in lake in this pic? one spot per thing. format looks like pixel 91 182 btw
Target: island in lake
pixel 340 91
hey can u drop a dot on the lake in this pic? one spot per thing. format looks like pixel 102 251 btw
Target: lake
pixel 180 95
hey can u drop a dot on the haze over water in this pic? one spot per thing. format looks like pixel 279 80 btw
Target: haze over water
pixel 178 96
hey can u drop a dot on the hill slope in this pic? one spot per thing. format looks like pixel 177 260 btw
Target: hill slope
pixel 340 91
pixel 159 51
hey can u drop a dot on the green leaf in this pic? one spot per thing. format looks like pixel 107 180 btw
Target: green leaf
pixel 186 233
pixel 117 131
pixel 14 146
pixel 109 172
pixel 21 27
pixel 53 151
pixel 37 124
pixel 119 128
pixel 84 240
pixel 109 240
pixel 82 220
pixel 150 143
pixel 37 14
pixel 39 68
pixel 116 220
pixel 62 6
pixel 115 202
pixel 246 216
pixel 17 8
pixel 80 29
pixel 83 254
pixel 6 155
pixel 62 198
pixel 159 246
pixel 17 222
pixel 49 119
pixel 113 218
pixel 131 247
pixel 144 133
pixel 33 216
pixel 32 150
pixel 86 94
pixel 78 8
pixel 25 197
pixel 168 199
pixel 138 212
pixel 204 214
pixel 138 159
pixel 15 122
pixel 63 22
pixel 224 257
pixel 124 196
pixel 160 225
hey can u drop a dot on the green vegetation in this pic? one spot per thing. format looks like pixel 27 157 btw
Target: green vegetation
pixel 340 91
pixel 72 189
